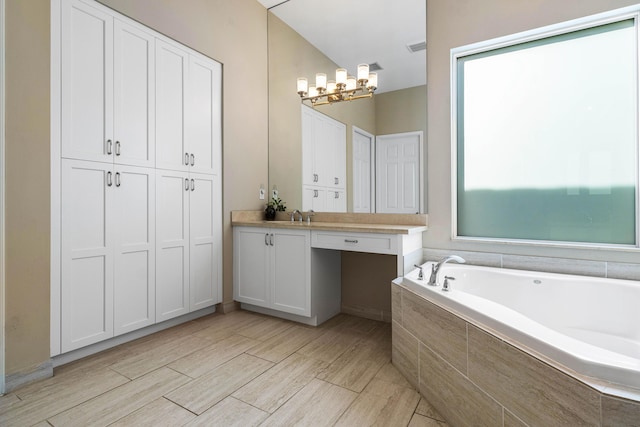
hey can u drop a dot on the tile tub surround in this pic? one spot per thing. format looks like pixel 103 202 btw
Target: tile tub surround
pixel 475 378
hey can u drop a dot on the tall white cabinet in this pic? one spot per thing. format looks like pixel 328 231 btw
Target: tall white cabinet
pixel 324 162
pixel 139 186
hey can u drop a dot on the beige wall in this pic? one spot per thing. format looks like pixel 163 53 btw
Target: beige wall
pixel 232 32
pixel 27 185
pixel 290 57
pixel 402 110
pixel 454 23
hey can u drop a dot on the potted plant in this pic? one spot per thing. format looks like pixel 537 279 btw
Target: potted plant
pixel 275 205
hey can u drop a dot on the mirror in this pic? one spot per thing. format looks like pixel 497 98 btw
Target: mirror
pixel 389 112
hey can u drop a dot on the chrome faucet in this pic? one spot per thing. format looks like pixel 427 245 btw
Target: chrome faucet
pixel 309 215
pixel 435 268
pixel 293 215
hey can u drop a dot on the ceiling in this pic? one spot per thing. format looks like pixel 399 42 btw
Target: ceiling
pixel 352 32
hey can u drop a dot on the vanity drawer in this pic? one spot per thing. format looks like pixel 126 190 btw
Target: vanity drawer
pixel 356 242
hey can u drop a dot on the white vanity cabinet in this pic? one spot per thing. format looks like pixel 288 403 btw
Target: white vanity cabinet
pixel 275 272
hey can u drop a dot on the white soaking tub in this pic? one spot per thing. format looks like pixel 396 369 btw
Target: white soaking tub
pixel 589 325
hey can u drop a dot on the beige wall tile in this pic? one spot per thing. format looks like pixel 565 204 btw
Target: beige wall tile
pixel 381 403
pixel 230 412
pixel 159 412
pixel 207 358
pixel 404 354
pixel 396 303
pixel 121 401
pixel 453 395
pixel 210 388
pixel 533 391
pixel 445 332
pixel 555 265
pixel 317 404
pixel 473 258
pixel 273 388
pixel 619 270
pixel 619 412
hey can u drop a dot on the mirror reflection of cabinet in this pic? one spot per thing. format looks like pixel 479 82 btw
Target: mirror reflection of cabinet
pixel 324 163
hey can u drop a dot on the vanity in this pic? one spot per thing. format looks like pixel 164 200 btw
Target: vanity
pixel 292 270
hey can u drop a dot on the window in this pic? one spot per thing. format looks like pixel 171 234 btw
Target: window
pixel 545 135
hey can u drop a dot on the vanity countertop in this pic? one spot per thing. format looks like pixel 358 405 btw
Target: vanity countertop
pixel 345 222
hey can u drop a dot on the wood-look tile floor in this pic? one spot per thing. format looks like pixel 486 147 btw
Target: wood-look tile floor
pixel 236 369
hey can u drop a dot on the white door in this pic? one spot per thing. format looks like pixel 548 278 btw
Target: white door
pixel 203 241
pixel 398 173
pixel 172 244
pixel 171 74
pixel 87 253
pixel 135 252
pixel 87 83
pixel 291 262
pixel 251 265
pixel 134 103
pixel 204 115
pixel 362 143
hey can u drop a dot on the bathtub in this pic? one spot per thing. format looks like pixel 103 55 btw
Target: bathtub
pixel 590 326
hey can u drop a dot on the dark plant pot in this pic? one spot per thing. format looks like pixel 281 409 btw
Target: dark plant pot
pixel 270 213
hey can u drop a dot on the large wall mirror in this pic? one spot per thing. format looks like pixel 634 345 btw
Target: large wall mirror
pixel 303 35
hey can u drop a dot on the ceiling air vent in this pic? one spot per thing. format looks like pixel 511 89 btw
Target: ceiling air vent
pixel 374 67
pixel 417 47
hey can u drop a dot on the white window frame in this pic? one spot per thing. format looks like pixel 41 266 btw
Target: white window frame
pixel 631 12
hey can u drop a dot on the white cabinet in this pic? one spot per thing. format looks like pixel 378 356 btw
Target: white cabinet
pixel 189 243
pixel 108 251
pixel 140 203
pixel 276 272
pixel 323 161
pixel 107 88
pixel 188 122
pixel 272 269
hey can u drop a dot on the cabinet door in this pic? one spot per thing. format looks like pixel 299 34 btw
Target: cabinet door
pixel 338 157
pixel 204 241
pixel 314 198
pixel 87 253
pixel 134 107
pixel 323 151
pixel 204 126
pixel 87 82
pixel 336 201
pixel 171 74
pixel 172 244
pixel 134 228
pixel 251 265
pixel 308 168
pixel 291 261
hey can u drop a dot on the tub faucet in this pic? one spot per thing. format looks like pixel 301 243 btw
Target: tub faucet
pixel 435 268
pixel 293 215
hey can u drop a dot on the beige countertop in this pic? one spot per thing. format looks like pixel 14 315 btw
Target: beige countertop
pixel 347 222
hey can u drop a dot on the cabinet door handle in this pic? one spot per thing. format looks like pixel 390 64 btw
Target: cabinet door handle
pixel 271 239
pixel 337 195
pixel 193 159
pixel 117 148
pixel 109 180
pixel 186 159
pixel 315 177
pixel 117 179
pixel 315 194
pixel 350 241
pixel 337 181
pixel 193 184
pixel 186 184
pixel 266 239
pixel 109 146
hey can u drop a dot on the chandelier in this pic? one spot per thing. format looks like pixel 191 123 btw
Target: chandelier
pixel 343 88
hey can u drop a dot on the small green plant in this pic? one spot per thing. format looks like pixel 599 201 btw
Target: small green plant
pixel 277 204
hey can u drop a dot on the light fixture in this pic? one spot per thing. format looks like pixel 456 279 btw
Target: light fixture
pixel 343 88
